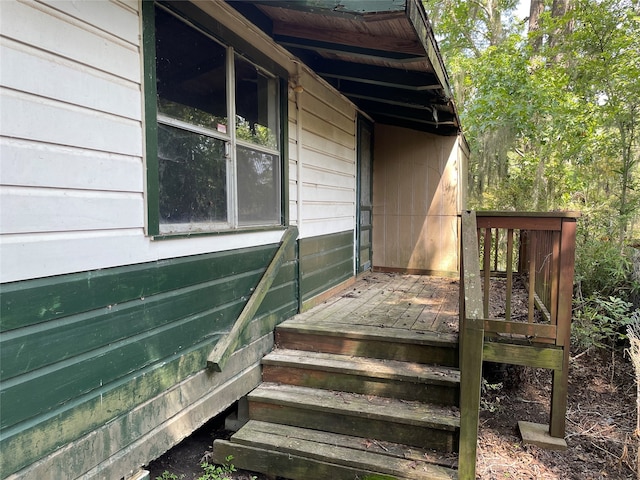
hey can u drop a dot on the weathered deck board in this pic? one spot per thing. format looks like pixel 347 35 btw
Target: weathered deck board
pixel 384 300
pixel 370 376
pixel 350 457
pixel 397 421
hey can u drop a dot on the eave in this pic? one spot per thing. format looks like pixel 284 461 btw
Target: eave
pixel 381 54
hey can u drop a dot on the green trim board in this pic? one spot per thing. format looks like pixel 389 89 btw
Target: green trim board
pixel 118 337
pixel 284 151
pixel 364 207
pixel 149 88
pixel 41 300
pixel 325 261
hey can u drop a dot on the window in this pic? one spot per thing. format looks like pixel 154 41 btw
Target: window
pixel 217 134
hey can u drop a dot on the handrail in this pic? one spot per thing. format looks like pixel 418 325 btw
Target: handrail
pixel 471 345
pixel 546 256
pixel 227 345
pixel 544 246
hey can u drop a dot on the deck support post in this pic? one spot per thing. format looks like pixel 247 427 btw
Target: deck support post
pixel 470 383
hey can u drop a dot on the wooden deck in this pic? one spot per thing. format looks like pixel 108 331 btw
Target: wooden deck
pixel 415 303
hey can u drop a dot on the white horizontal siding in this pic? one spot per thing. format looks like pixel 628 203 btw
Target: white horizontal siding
pixel 328 160
pixel 293 158
pixel 71 142
pixel 52 31
pixel 34 118
pixel 318 193
pixel 327 177
pixel 121 23
pixel 27 163
pixel 40 255
pixel 318 226
pixel 327 146
pixel 71 146
pixel 31 210
pixel 340 119
pixel 66 81
pixel 325 161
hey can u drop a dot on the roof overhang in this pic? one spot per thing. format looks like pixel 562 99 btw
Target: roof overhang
pixel 381 54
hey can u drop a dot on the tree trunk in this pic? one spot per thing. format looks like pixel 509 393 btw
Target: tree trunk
pixel 535 37
pixel 558 10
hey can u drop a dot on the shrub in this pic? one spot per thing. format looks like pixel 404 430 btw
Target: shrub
pixel 601 322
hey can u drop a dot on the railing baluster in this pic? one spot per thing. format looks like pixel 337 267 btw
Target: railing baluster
pixel 555 276
pixel 497 249
pixel 487 270
pixel 507 308
pixel 533 241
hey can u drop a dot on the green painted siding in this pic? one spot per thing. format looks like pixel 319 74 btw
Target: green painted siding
pixel 325 261
pixel 79 350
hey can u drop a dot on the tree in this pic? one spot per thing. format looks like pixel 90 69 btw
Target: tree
pixel 551 117
pixel 535 38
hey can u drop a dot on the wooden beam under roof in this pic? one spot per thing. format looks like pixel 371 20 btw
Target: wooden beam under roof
pixel 448 128
pixel 373 102
pixel 353 51
pixel 350 37
pixel 375 75
pixel 425 98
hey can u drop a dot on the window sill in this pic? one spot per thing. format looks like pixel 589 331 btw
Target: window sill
pixel 216 233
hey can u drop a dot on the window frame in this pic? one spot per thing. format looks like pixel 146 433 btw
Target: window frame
pixel 235 46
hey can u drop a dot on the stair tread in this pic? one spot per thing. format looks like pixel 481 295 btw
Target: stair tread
pixel 370 332
pixel 385 458
pixel 358 405
pixel 371 367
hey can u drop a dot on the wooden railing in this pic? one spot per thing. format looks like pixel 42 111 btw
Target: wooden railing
pixel 227 344
pixel 534 250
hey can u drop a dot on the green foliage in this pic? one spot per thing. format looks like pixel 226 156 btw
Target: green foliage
pixel 601 322
pixel 490 404
pixel 219 472
pixel 554 125
pixel 601 269
pixel 166 475
pixel 551 116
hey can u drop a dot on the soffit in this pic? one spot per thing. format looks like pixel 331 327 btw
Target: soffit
pixel 381 54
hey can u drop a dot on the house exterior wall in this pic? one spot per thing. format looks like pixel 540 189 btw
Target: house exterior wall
pixel 417 195
pixel 325 186
pixel 106 331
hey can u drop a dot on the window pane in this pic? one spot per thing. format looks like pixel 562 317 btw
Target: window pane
pixel 191 74
pixel 256 105
pixel 193 177
pixel 258 188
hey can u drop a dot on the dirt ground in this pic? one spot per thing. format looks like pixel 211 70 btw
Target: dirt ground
pixel 601 420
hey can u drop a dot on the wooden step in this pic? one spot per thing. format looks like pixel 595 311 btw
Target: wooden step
pixel 392 420
pixel 302 454
pixel 369 341
pixel 383 378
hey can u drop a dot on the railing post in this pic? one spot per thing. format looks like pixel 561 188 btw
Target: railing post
pixel 565 307
pixel 471 345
